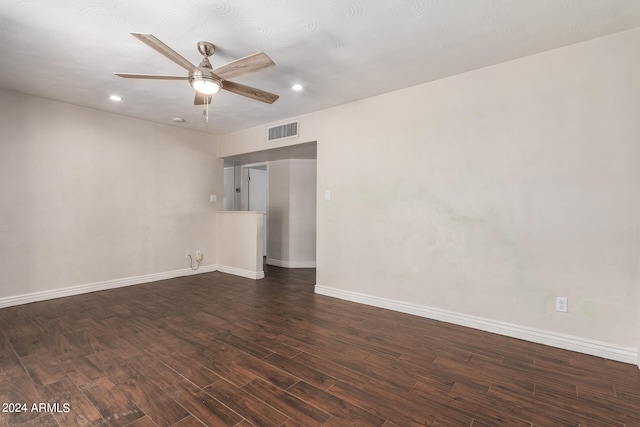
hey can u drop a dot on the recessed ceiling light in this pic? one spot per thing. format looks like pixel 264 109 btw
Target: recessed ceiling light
pixel 179 120
pixel 115 98
pixel 296 87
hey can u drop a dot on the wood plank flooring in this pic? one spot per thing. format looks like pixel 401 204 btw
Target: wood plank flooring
pixel 219 350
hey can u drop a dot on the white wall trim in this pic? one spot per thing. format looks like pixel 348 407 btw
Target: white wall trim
pixel 120 283
pixel 555 339
pixel 255 275
pixel 100 286
pixel 291 264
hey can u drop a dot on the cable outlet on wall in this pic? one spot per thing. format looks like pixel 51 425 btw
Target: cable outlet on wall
pixel 561 304
pixel 187 254
pixel 198 256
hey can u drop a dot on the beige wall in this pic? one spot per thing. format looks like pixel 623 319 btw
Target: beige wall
pixel 278 215
pixel 302 212
pixel 89 196
pixel 240 243
pixel 292 213
pixel 490 193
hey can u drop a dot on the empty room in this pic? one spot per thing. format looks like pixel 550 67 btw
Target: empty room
pixel 320 213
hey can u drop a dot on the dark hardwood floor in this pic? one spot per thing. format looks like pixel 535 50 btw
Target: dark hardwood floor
pixel 219 350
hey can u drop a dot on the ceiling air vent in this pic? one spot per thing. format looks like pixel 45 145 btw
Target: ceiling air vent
pixel 287 130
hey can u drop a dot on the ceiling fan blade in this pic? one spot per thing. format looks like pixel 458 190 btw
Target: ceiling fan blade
pixel 202 99
pixel 246 65
pixel 250 92
pixel 150 76
pixel 162 48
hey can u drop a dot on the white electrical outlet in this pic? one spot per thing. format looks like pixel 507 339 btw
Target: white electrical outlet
pixel 198 255
pixel 187 254
pixel 562 304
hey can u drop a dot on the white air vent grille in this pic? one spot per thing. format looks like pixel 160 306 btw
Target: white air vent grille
pixel 287 130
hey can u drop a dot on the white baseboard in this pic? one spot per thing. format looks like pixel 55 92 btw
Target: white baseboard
pixel 120 283
pixel 255 275
pixel 555 339
pixel 291 264
pixel 100 286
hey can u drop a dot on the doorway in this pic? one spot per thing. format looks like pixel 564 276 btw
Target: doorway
pixel 290 194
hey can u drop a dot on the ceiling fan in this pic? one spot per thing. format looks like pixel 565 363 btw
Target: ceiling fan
pixel 204 79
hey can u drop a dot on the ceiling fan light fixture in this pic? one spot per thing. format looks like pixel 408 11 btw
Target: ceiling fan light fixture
pixel 205 87
pixel 205 82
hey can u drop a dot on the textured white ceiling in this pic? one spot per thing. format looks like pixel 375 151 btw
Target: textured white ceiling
pixel 340 50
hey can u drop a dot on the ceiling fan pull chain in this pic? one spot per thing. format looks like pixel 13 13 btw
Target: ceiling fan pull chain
pixel 205 111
